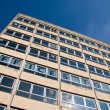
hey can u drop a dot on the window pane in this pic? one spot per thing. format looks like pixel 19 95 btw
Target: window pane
pixel 51 93
pixel 6 81
pixel 26 37
pixel 90 102
pixel 46 34
pixel 78 100
pixel 37 41
pixel 39 32
pixel 24 86
pixel 63 49
pixel 78 53
pixel 9 32
pixel 30 66
pixel 65 76
pixel 4 58
pixel 12 45
pixel 21 48
pixel 53 46
pixel 75 79
pixel 52 72
pixel 70 51
pixel 45 43
pixel 15 62
pixel 99 71
pixel 105 87
pixel 43 54
pixel 85 81
pixel 91 69
pixel 64 61
pixel 87 56
pixel 34 51
pixel 81 65
pixel 3 42
pixel 38 90
pixel 66 97
pixel 41 69
pixel 72 63
pixel 54 37
pixel 52 57
pixel 2 107
pixel 17 34
pixel 103 105
pixel 97 85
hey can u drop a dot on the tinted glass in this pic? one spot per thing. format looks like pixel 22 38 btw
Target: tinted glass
pixel 78 100
pixel 15 62
pixel 41 69
pixel 103 105
pixel 90 102
pixel 66 97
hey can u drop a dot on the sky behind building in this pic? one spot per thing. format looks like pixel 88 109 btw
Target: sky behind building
pixel 88 17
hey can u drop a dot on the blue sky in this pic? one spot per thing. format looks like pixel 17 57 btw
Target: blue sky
pixel 88 17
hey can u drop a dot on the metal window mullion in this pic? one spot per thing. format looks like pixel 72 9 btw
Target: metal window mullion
pixel 31 88
pixel 17 46
pixel 9 62
pixel 84 102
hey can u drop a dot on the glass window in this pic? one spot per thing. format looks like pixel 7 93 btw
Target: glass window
pixel 79 100
pixel 2 107
pixel 22 27
pixel 39 32
pixel 62 39
pixel 63 49
pixel 70 51
pixel 9 32
pixel 39 90
pixel 54 37
pixel 87 56
pixel 34 51
pixel 41 25
pixel 24 86
pixel 26 20
pixel 75 79
pixel 12 45
pixel 43 54
pixel 33 23
pixel 3 42
pixel 85 81
pixel 26 37
pixel 64 61
pixel 97 85
pixel 30 66
pixel 72 63
pixel 51 93
pixel 69 42
pixel 65 76
pixel 4 58
pixel 53 46
pixel 15 62
pixel 78 53
pixel 103 105
pixel 90 102
pixel 105 87
pixel 106 73
pixel 46 34
pixel 21 48
pixel 6 81
pixel 18 35
pixel 45 43
pixel 94 59
pixel 52 57
pixel 52 72
pixel 37 40
pixel 41 69
pixel 76 44
pixel 99 71
pixel 73 36
pixel 66 97
pixel 91 69
pixel 30 29
pixel 47 28
pixel 81 66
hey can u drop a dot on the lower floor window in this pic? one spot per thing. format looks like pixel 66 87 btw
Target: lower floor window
pixel 37 92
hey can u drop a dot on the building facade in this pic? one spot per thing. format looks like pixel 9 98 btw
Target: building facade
pixel 47 67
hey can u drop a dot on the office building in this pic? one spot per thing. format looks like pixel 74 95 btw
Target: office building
pixel 47 67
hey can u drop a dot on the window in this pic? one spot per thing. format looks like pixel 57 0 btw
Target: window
pixel 13 45
pixel 69 42
pixel 43 54
pixel 106 54
pixel 101 87
pixel 6 83
pixel 18 35
pixel 73 63
pixel 37 40
pixel 99 71
pixel 10 61
pixel 40 70
pixel 70 51
pixel 75 80
pixel 77 102
pixel 38 93
pixel 23 27
pixel 2 107
pixel 104 105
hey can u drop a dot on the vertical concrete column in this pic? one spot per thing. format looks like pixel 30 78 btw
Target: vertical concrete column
pixel 21 70
pixel 90 79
